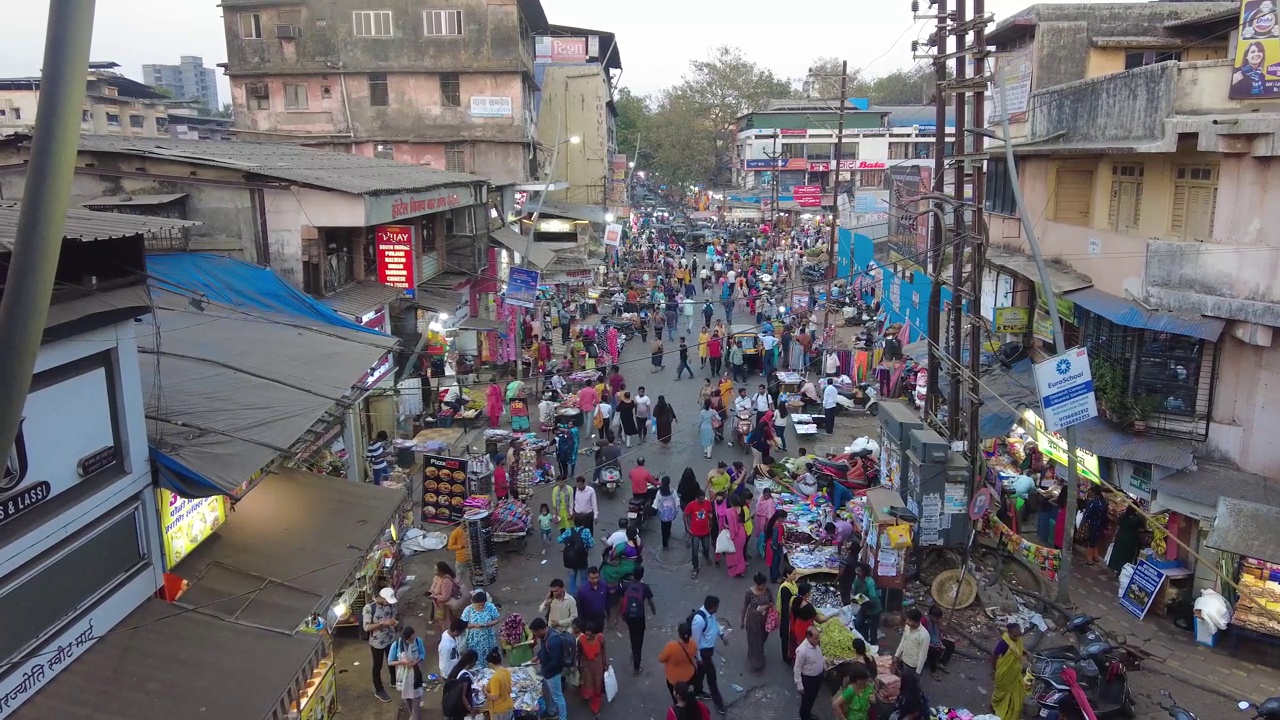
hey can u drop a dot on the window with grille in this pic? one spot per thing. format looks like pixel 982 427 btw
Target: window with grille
pixel 386 151
pixel 442 22
pixel 1139 58
pixel 455 157
pixel 295 96
pixel 251 26
pixel 1072 196
pixel 871 178
pixel 1195 202
pixel 137 122
pixel 372 23
pixel 1125 209
pixel 450 90
pixel 379 95
pixel 999 195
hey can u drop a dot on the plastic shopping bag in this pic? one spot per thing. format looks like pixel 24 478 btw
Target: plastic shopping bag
pixel 724 542
pixel 610 684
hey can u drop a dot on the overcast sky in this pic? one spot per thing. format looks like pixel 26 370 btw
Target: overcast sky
pixel 657 38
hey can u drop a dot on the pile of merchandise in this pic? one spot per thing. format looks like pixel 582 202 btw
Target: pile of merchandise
pixel 526 686
pixel 1046 559
pixel 943 712
pixel 483 565
pixel 511 517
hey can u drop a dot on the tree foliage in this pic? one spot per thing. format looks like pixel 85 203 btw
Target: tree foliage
pixel 681 140
pixel 913 86
pixel 632 111
pixel 823 80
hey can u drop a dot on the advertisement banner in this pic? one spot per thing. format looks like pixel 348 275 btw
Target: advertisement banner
pixel 908 229
pixel 613 234
pixel 186 522
pixel 1257 71
pixel 560 49
pixel 393 249
pixel 491 107
pixel 1065 385
pixel 805 190
pixel 1012 320
pixel 1015 71
pixel 444 487
pixel 1054 447
pixel 1141 590
pixel 806 201
pixel 383 209
pixel 522 287
pixel 793 132
pixel 776 163
pixel 322 703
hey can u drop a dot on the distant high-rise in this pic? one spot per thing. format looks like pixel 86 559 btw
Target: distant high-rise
pixel 188 80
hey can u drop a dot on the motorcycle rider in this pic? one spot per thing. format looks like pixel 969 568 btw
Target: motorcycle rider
pixel 607 455
pixel 742 407
pixel 643 483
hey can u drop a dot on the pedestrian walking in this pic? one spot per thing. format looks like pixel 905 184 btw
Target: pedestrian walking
pixel 1009 659
pixel 686 705
pixel 786 593
pixel 728 310
pixel 913 649
pixel 780 415
pixel 405 658
pixel 704 336
pixel 593 598
pixel 667 505
pixel 586 510
pixel 808 670
pixel 376 453
pixel 678 658
pixel 577 542
pixel 379 620
pixel 854 699
pixel 644 410
pixel 829 405
pixel 757 610
pixel 737 358
pixel 445 594
pixel 664 415
pixel 659 323
pixel 551 654
pixel 559 607
pixel 636 595
pixel 684 360
pixel 707 419
pixel 655 354
pixel 708 311
pixel 627 416
pixel 773 546
pixel 593 661
pixel 698 525
pixel 715 352
pixel 707 632
pixel 765 507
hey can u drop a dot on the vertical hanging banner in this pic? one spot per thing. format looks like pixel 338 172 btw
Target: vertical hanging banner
pixel 522 287
pixel 613 234
pixel 1257 71
pixel 1065 384
pixel 394 251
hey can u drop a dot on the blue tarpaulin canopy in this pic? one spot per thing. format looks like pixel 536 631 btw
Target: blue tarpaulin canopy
pixel 238 366
pixel 1128 313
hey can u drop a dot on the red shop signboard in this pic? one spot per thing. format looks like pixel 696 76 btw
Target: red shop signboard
pixel 394 249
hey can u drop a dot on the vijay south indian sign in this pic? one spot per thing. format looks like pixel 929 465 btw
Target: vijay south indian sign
pixel 1065 384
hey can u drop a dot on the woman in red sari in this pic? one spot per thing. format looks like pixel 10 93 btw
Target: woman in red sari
pixel 592 664
pixel 773 536
pixel 803 614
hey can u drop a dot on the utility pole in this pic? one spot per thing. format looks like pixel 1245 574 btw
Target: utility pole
pixel 978 251
pixel 835 191
pixel 935 249
pixel 773 174
pixel 41 220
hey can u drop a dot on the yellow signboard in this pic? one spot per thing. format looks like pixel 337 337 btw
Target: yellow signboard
pixel 1256 76
pixel 185 523
pixel 320 702
pixel 1055 448
pixel 1012 320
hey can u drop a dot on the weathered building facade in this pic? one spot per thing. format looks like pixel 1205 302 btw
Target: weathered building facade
pixel 448 85
pixel 113 104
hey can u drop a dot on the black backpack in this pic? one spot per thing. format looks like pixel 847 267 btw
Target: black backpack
pixel 633 601
pixel 575 550
pixel 696 612
pixel 453 699
pixel 568 648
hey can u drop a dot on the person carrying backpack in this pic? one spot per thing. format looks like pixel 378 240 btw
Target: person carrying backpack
pixel 577 542
pixel 556 653
pixel 668 507
pixel 455 697
pixel 635 594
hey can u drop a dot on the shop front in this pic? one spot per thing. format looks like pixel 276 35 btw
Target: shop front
pixel 262 595
pixel 1246 534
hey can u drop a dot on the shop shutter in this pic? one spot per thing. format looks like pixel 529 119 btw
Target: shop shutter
pixel 1072 194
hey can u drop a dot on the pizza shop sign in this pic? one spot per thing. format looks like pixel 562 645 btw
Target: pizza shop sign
pixel 381 209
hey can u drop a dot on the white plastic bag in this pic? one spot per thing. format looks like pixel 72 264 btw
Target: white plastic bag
pixel 724 542
pixel 610 684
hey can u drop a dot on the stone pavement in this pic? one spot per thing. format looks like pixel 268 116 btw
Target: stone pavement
pixel 1173 650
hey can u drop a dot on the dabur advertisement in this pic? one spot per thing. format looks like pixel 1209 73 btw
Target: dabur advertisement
pixel 1257 72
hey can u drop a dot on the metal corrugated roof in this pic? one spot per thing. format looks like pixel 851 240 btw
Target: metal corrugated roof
pixel 1210 480
pixel 1106 440
pixel 1128 313
pixel 86 225
pixel 127 200
pixel 344 172
pixel 1246 528
pixel 588 213
pixel 516 242
pixel 361 297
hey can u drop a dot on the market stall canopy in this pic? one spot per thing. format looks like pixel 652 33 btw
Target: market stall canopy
pixel 361 297
pixel 1209 480
pixel 1102 438
pixel 1128 313
pixel 238 366
pixel 1063 281
pixel 514 241
pixel 1246 528
pixel 1000 388
pixel 555 208
pixel 285 553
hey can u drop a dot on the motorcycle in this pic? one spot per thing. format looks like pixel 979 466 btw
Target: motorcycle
pixel 1268 710
pixel 1179 713
pixel 1050 661
pixel 1102 677
pixel 743 428
pixel 640 509
pixel 863 398
pixel 856 471
pixel 608 478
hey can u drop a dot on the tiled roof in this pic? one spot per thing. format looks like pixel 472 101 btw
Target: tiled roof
pixel 343 172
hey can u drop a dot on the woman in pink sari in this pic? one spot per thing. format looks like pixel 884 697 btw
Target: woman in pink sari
pixel 731 519
pixel 493 405
pixel 765 507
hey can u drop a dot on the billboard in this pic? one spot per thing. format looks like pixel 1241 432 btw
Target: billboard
pixel 393 248
pixel 1017 70
pixel 1257 71
pixel 908 230
pixel 522 287
pixel 560 49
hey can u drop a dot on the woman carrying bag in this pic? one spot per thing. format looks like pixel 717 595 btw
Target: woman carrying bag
pixel 406 656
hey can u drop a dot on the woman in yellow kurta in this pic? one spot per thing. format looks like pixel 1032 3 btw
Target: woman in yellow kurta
pixel 1008 692
pixel 703 337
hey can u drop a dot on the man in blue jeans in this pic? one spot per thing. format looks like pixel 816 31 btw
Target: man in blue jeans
pixel 706 631
pixel 551 663
pixel 698 524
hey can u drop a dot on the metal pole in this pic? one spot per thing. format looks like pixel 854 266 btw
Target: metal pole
pixel 37 245
pixel 835 191
pixel 978 248
pixel 528 243
pixel 933 256
pixel 955 319
pixel 1059 344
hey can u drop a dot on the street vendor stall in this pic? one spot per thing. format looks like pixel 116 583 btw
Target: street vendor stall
pixel 526 688
pixel 1248 531
pixel 886 540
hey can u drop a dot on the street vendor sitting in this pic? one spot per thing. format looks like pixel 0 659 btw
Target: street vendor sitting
pixel 838 532
pixel 810 392
pixel 806 484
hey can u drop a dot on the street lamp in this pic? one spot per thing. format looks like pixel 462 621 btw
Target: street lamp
pixel 631 164
pixel 574 139
pixel 609 217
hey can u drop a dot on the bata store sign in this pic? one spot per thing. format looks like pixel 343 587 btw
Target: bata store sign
pixel 48 457
pixel 393 247
pixel 380 209
pixel 825 166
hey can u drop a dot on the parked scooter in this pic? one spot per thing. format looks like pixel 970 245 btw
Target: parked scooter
pixel 1180 713
pixel 1050 661
pixel 863 399
pixel 1102 677
pixel 1268 710
pixel 608 479
pixel 743 428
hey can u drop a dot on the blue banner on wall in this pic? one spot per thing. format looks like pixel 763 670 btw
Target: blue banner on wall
pixel 522 287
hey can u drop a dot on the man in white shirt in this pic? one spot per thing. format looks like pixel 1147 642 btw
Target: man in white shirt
pixel 741 404
pixel 449 653
pixel 829 404
pixel 913 649
pixel 808 670
pixel 761 402
pixel 644 408
pixel 586 510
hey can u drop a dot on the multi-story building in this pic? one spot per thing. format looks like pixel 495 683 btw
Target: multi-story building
pixel 1145 155
pixel 188 80
pixel 444 84
pixel 573 67
pixel 113 105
